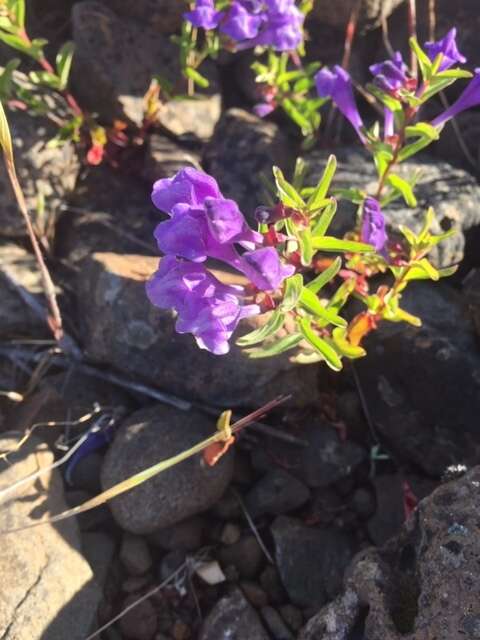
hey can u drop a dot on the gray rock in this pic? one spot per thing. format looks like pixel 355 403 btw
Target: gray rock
pixel 98 548
pixel 471 289
pixel 275 624
pixel 276 493
pixel 147 437
pixel 122 328
pixel 140 622
pixel 163 16
pixel 325 460
pixel 422 385
pixel 232 618
pixel 339 13
pixel 453 193
pixel 242 150
pixel 111 71
pixel 245 555
pixel 311 561
pixel 51 592
pixel 163 158
pixel 292 616
pixel 186 536
pixel 422 584
pixel 21 291
pixel 170 564
pixel 336 621
pixel 195 117
pixel 42 170
pixel 389 515
pixel 108 212
pixel 135 555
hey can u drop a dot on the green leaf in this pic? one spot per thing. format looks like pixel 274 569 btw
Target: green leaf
pixel 287 192
pixel 330 243
pixel 296 115
pixel 429 269
pixel 344 347
pixel 325 219
pixel 45 78
pixel 309 300
pixel 197 77
pixel 423 130
pixel 7 81
pixel 357 196
pixel 64 63
pixel 412 149
pixel 299 173
pixel 326 351
pixel 289 342
pixel 423 60
pixel 403 187
pixel 410 237
pixel 274 324
pixel 306 247
pixel 326 276
pixel 385 98
pixel 293 289
pixel 323 185
pixel 17 7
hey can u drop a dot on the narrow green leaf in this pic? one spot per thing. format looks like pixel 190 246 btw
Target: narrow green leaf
pixel 274 324
pixel 326 276
pixel 328 352
pixel 323 185
pixel 287 192
pixel 45 78
pixel 339 338
pixel 330 243
pixel 423 60
pixel 310 301
pixel 293 289
pixel 321 227
pixel 429 269
pixel 403 187
pixel 197 77
pixel 64 63
pixel 306 247
pixel 285 344
pixel 422 129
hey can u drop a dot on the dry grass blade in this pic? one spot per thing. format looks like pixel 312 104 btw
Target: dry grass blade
pixel 55 319
pixel 147 474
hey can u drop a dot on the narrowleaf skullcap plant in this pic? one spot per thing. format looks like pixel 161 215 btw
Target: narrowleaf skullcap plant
pixel 295 270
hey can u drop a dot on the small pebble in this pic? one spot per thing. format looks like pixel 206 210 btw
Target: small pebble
pixel 230 534
pixel 271 583
pixel 246 555
pixel 275 624
pixel 254 594
pixel 135 555
pixel 292 616
pixel 140 622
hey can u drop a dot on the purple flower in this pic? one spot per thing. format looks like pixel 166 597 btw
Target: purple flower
pixel 447 46
pixel 388 123
pixel 188 186
pixel 282 31
pixel 206 308
pixel 373 224
pixel 469 98
pixel 204 15
pixel 203 224
pixel 265 269
pixel 263 109
pixel 390 75
pixel 240 24
pixel 337 85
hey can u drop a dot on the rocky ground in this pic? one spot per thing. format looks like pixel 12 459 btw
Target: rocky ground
pixel 356 515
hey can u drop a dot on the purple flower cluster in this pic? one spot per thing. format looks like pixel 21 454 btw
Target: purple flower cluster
pixel 373 224
pixel 272 23
pixel 447 47
pixel 203 224
pixel 391 75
